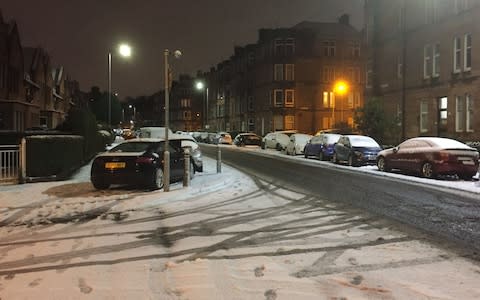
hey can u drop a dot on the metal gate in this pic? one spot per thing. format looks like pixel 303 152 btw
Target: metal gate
pixel 10 163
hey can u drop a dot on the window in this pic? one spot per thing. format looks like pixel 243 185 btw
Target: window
pixel 467 55
pixel 369 75
pixel 278 44
pixel 356 99
pixel 460 114
pixel 399 68
pixel 328 99
pixel 431 13
pixel 290 72
pixel 185 103
pixel 457 53
pixel 250 103
pixel 278 98
pixel 289 122
pixel 469 116
pixel 436 60
pixel 251 125
pixel 443 110
pixel 327 122
pixel 424 116
pixel 460 6
pixel 328 74
pixel 350 100
pixel 289 47
pixel 187 115
pixel 329 48
pixel 278 72
pixel 355 49
pixel 289 98
pixel 427 61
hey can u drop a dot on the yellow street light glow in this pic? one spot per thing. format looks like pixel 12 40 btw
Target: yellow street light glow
pixel 125 50
pixel 341 87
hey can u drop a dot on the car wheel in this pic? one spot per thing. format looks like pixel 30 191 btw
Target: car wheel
pixel 382 165
pixel 278 147
pixel 157 179
pixel 427 170
pixel 100 184
pixel 262 145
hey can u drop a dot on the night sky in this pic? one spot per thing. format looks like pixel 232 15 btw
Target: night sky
pixel 79 34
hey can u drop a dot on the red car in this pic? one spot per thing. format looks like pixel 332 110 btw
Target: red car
pixel 431 156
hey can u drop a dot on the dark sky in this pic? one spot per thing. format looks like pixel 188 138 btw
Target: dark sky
pixel 78 34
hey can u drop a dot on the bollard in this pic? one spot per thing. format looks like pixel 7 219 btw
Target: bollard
pixel 219 159
pixel 186 173
pixel 23 160
pixel 166 171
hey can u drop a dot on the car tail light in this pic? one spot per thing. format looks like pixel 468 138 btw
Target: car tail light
pixel 444 156
pixel 144 160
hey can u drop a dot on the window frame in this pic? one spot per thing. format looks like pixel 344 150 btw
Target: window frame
pixel 457 55
pixel 289 102
pixel 467 52
pixel 423 116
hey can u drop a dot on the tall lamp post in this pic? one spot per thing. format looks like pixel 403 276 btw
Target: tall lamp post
pixel 201 86
pixel 166 153
pixel 125 51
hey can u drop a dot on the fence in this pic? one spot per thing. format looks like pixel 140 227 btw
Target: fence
pixel 11 162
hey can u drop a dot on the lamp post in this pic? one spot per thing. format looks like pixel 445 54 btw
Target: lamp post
pixel 201 86
pixel 166 153
pixel 125 51
pixel 341 88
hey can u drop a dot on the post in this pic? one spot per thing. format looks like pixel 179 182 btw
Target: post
pixel 219 159
pixel 186 173
pixel 166 153
pixel 109 88
pixel 23 160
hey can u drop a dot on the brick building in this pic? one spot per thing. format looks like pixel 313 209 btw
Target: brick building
pixel 422 64
pixel 286 80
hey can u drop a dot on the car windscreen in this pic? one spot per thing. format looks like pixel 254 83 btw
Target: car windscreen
pixel 134 147
pixel 332 138
pixel 363 141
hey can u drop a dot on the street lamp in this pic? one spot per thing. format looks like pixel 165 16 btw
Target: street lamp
pixel 166 153
pixel 201 86
pixel 341 88
pixel 125 51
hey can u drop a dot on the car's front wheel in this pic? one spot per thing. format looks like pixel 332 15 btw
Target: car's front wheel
pixel 157 179
pixel 382 165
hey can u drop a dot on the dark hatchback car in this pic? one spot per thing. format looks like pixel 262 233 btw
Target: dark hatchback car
pixel 247 139
pixel 137 162
pixel 321 146
pixel 356 150
pixel 431 156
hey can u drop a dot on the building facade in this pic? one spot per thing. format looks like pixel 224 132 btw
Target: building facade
pixel 286 80
pixel 422 64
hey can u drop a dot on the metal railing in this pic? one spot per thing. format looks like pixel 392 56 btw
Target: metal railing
pixel 10 163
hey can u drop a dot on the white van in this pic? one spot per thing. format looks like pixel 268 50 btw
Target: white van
pixel 154 132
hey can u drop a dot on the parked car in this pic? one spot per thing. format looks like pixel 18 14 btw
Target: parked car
pixel 356 150
pixel 138 162
pixel 247 139
pixel 277 140
pixel 223 138
pixel 431 156
pixel 321 146
pixel 297 143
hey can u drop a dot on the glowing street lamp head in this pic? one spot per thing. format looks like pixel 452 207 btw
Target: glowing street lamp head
pixel 200 85
pixel 341 87
pixel 125 50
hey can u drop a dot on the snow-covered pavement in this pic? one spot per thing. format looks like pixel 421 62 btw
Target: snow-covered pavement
pixel 225 237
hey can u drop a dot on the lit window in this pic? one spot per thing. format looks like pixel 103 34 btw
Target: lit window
pixel 443 108
pixel 289 98
pixel 289 122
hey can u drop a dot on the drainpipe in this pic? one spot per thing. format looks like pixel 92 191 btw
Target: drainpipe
pixel 404 68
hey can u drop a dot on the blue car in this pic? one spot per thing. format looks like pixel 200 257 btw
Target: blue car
pixel 321 146
pixel 356 150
